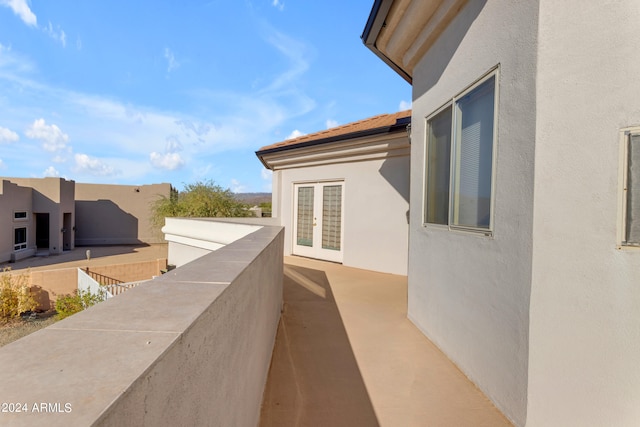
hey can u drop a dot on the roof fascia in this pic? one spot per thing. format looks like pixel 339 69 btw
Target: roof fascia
pixel 399 126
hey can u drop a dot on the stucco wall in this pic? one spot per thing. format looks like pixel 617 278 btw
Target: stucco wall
pixel 375 209
pixel 14 198
pixel 117 214
pixel 469 293
pixel 48 285
pixel 190 348
pixel 53 196
pixel 584 365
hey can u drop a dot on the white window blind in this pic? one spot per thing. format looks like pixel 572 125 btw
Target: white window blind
pixel 331 217
pixel 305 216
pixel 474 145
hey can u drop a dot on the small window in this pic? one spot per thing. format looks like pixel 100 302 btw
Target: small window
pixel 20 238
pixel 20 215
pixel 631 188
pixel 459 159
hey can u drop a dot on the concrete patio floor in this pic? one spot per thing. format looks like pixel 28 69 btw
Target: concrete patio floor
pixel 346 355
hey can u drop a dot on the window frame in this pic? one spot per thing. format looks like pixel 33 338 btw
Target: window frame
pixel 623 177
pixel 22 245
pixel 25 218
pixel 452 103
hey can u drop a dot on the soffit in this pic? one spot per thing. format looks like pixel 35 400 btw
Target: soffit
pixel 346 151
pixel 408 30
pixel 379 136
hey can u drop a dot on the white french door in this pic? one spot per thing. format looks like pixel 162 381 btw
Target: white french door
pixel 318 220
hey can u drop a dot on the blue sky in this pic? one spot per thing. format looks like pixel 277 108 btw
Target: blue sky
pixel 141 92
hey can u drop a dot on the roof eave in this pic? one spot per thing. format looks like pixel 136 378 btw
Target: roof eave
pixel 372 29
pixel 400 125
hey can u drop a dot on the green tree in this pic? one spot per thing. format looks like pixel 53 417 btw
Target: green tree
pixel 199 200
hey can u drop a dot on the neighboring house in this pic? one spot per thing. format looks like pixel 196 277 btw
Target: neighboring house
pixel 524 265
pixel 53 215
pixel 36 214
pixel 117 214
pixel 343 193
pixel 16 224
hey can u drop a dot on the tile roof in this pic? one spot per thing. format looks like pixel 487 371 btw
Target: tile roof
pixel 381 121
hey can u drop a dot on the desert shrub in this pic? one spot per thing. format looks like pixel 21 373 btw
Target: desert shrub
pixel 66 305
pixel 199 200
pixel 15 295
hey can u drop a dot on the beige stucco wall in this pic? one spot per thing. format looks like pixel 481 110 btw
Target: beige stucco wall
pixel 116 214
pixel 54 196
pixel 190 348
pixel 14 198
pixel 469 292
pixel 49 285
pixel 375 209
pixel 584 365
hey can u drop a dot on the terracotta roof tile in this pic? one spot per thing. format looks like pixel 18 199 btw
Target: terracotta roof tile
pixel 375 122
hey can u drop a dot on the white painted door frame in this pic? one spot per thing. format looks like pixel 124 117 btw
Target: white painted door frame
pixel 318 220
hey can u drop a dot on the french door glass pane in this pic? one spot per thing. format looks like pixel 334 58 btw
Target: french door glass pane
pixel 438 166
pixel 474 157
pixel 633 191
pixel 305 216
pixel 331 216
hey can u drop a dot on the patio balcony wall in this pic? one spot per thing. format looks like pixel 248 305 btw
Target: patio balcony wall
pixel 192 347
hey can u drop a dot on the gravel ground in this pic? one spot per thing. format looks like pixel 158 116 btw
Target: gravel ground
pixel 19 328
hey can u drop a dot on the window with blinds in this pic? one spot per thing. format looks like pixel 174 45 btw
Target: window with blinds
pixel 459 161
pixel 632 214
pixel 331 217
pixel 305 216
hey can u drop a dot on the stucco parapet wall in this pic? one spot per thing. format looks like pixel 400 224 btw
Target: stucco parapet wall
pixel 214 235
pixel 192 347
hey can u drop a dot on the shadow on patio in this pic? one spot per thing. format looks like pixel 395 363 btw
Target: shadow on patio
pixel 346 355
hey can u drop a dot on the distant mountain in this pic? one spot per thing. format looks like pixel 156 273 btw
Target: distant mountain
pixel 253 198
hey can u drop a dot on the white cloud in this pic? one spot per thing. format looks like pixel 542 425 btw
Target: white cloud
pixel 173 144
pixel 51 172
pixel 13 65
pixel 266 175
pixel 22 9
pixel 237 187
pixel 296 133
pixel 331 123
pixel 93 166
pixel 53 139
pixel 7 135
pixel 198 129
pixel 171 60
pixel 296 52
pixel 2 165
pixel 56 33
pixel 278 4
pixel 59 159
pixel 133 131
pixel 168 161
pixel 404 105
